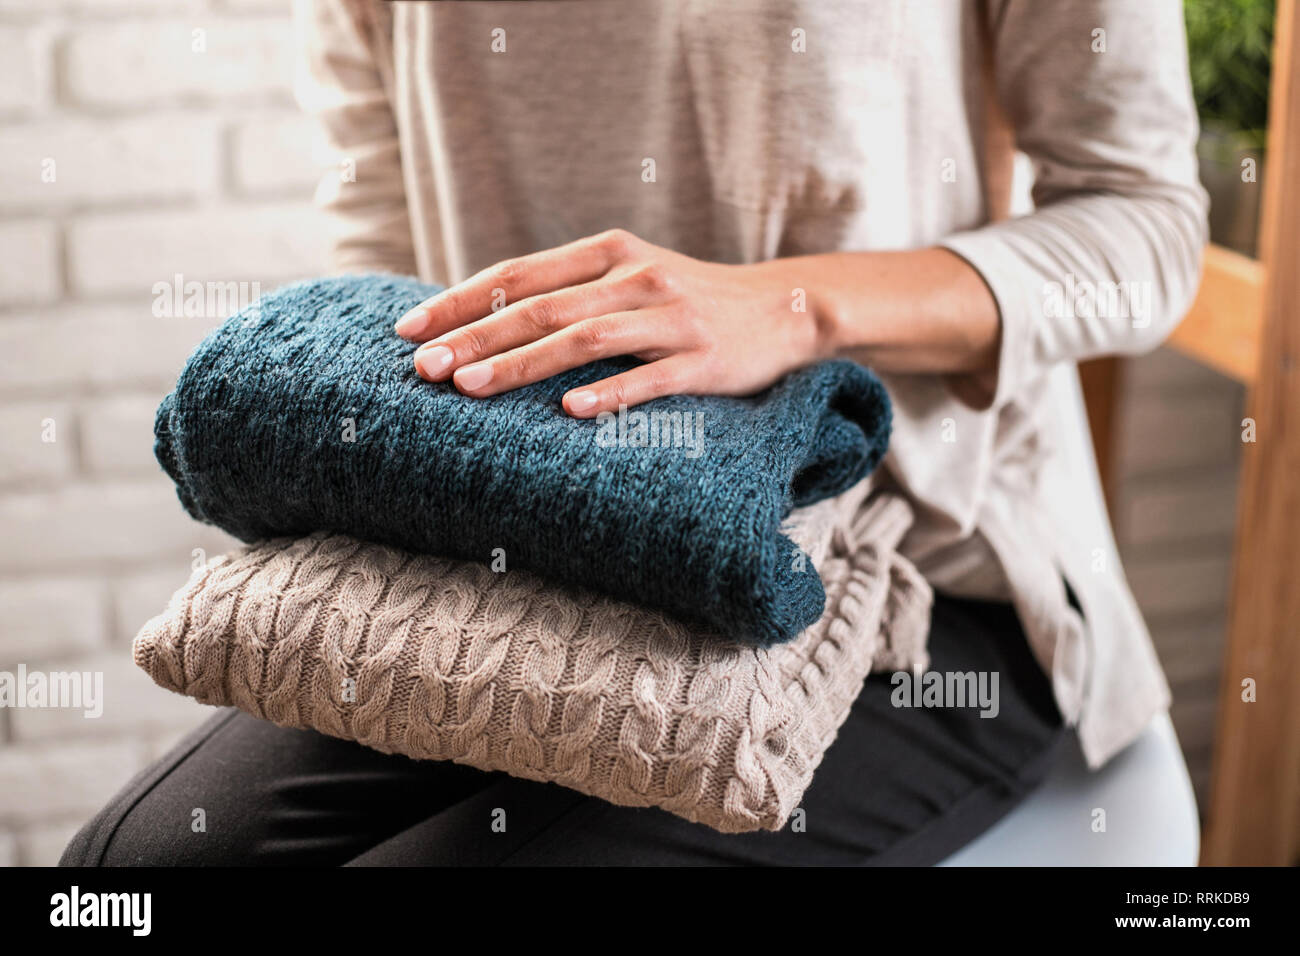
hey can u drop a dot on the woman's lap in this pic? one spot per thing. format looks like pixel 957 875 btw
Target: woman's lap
pixel 898 785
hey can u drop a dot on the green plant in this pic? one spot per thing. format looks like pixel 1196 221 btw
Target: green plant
pixel 1230 45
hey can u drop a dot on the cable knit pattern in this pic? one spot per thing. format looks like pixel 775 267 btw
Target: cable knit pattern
pixel 304 413
pixel 446 660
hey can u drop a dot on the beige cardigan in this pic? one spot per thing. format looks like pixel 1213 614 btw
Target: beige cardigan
pixel 473 132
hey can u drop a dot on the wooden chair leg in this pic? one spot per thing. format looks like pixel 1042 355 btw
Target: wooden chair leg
pixel 1254 813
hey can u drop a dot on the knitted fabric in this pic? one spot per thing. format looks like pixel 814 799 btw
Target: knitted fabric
pixel 446 660
pixel 303 413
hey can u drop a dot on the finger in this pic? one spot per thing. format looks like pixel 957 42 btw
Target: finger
pixel 605 336
pixel 514 279
pixel 537 317
pixel 669 376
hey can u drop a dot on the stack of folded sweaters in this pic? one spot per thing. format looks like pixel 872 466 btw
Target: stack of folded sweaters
pixel 674 609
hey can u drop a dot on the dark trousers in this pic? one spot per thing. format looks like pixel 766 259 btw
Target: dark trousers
pixel 898 786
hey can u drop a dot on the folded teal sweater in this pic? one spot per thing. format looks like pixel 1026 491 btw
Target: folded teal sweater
pixel 303 413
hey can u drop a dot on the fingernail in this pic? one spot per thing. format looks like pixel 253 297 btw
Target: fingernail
pixel 412 323
pixel 432 362
pixel 473 377
pixel 581 401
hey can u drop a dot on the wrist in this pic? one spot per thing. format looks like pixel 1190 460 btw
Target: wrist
pixel 917 311
pixel 813 322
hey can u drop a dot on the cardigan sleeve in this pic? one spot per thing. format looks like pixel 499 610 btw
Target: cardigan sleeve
pixel 339 83
pixel 1099 98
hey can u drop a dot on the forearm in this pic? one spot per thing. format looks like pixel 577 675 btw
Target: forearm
pixel 920 311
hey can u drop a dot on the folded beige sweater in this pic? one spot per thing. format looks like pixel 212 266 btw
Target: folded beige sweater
pixel 447 660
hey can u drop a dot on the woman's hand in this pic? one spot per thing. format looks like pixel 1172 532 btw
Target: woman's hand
pixel 700 327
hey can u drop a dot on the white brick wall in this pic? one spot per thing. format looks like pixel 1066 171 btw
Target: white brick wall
pixel 29 262
pixel 23 71
pixel 124 253
pixel 90 523
pixel 109 161
pixel 44 784
pixel 123 65
pixel 94 349
pixel 52 619
pixel 126 156
pixel 269 156
pixel 29 433
pixel 117 435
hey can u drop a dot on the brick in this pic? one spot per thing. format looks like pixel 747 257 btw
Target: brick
pixel 1167 369
pixel 1194 709
pixel 50 619
pixel 28 455
pixel 154 61
pixel 127 253
pixel 29 262
pixel 159 157
pixel 117 435
pixel 1190 648
pixel 45 780
pixel 1171 434
pixel 22 80
pixel 143 595
pixel 87 524
pixel 44 845
pixel 133 705
pixel 1196 506
pixel 277 153
pixel 1182 585
pixel 97 347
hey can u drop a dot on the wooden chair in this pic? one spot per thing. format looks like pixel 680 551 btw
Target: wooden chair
pixel 1245 323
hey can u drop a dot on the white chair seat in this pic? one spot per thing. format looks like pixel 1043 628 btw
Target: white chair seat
pixel 1150 809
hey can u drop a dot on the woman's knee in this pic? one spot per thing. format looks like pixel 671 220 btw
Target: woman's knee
pixel 146 823
pixel 138 835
